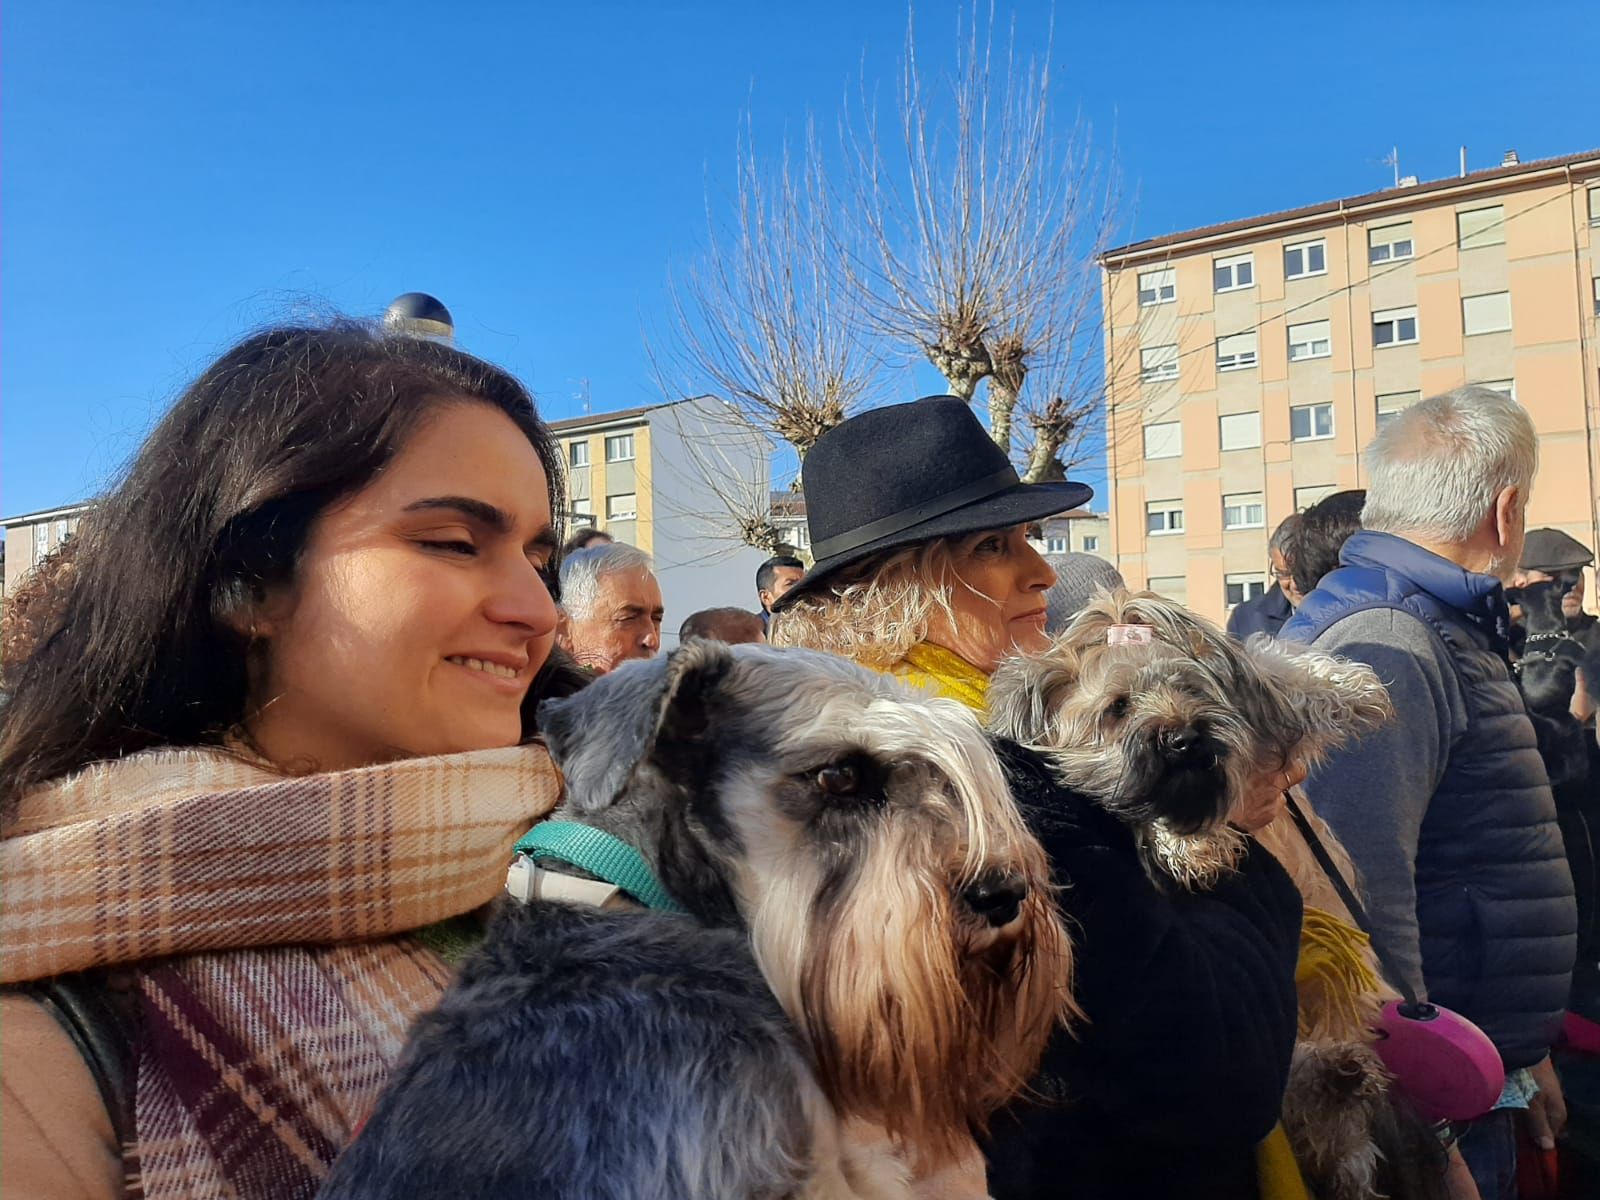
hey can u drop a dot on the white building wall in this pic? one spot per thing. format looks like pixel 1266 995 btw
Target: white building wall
pixel 704 461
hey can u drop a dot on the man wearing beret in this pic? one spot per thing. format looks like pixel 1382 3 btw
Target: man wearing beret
pixel 1551 554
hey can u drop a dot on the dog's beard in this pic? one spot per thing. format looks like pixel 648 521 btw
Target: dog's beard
pixel 921 1018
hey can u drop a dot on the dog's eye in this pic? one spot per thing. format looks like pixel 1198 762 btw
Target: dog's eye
pixel 839 779
pixel 1118 708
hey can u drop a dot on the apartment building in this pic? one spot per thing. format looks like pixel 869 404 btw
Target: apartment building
pixel 1250 362
pixel 674 480
pixel 1077 532
pixel 31 537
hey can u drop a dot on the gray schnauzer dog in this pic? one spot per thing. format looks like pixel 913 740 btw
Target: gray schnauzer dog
pixel 1164 720
pixel 867 964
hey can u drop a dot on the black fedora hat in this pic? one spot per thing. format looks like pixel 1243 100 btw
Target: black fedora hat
pixel 909 473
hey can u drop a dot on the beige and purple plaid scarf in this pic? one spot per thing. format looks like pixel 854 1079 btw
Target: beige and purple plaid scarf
pixel 261 920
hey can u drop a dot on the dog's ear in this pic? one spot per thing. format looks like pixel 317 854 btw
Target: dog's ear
pixel 1026 693
pixel 598 736
pixel 1334 698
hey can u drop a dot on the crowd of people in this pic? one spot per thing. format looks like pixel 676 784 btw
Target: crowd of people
pixel 262 764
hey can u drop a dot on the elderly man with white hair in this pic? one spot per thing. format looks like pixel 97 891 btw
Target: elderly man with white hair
pixel 610 606
pixel 1448 811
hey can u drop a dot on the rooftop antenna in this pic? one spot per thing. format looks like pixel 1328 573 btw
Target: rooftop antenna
pixel 1393 160
pixel 1463 162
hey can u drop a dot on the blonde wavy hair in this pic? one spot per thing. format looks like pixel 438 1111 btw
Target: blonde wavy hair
pixel 874 611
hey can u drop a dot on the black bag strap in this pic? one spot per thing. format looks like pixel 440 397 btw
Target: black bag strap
pixel 102 1019
pixel 1413 1007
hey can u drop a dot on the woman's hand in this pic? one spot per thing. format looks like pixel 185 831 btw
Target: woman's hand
pixel 1263 802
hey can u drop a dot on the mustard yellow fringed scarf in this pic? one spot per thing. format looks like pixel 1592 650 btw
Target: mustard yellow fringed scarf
pixel 944 672
pixel 953 677
pixel 1333 967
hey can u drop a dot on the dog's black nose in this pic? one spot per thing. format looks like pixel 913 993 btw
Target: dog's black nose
pixel 1177 744
pixel 997 898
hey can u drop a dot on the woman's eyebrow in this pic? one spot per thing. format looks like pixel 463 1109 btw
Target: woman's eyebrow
pixel 496 519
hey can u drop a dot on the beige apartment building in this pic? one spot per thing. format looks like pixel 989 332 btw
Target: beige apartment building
pixel 1249 363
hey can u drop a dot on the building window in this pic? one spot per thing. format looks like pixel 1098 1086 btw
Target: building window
pixel 1234 273
pixel 1241 588
pixel 1236 352
pixel 1481 227
pixel 1394 327
pixel 1310 422
pixel 1091 543
pixel 1172 587
pixel 1164 440
pixel 1389 243
pixel 1244 510
pixel 623 507
pixel 1597 295
pixel 1158 363
pixel 1158 287
pixel 1163 516
pixel 578 454
pixel 1506 387
pixel 1312 339
pixel 1594 206
pixel 1489 313
pixel 1305 497
pixel 619 447
pixel 1055 545
pixel 1240 431
pixel 41 541
pixel 1307 258
pixel 1392 404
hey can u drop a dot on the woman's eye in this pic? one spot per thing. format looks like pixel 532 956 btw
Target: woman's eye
pixel 451 546
pixel 991 545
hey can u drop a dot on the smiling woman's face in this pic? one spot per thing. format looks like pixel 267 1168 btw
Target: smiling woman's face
pixel 997 594
pixel 418 615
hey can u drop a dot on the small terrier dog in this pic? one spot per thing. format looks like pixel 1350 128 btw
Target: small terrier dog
pixel 1165 720
pixel 868 964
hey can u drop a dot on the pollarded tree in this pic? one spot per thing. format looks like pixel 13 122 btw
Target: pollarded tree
pixel 983 225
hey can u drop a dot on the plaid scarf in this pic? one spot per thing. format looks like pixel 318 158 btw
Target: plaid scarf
pixel 257 922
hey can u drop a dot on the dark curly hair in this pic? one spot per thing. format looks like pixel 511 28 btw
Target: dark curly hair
pixel 1323 529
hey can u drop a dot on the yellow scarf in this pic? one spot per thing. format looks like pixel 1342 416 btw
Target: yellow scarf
pixel 944 672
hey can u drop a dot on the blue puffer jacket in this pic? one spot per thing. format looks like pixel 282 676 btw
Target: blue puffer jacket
pixel 1495 913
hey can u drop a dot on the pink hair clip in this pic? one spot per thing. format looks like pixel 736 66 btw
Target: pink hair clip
pixel 1129 635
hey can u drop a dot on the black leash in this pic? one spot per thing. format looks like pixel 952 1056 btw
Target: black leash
pixel 1417 1010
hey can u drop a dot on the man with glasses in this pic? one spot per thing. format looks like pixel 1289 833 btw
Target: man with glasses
pixel 1267 612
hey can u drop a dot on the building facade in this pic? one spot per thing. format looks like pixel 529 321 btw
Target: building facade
pixel 1077 532
pixel 674 480
pixel 31 537
pixel 1250 362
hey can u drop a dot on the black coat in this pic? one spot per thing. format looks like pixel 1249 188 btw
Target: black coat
pixel 1265 614
pixel 1178 1072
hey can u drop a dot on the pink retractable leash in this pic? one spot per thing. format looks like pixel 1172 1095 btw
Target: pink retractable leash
pixel 1443 1063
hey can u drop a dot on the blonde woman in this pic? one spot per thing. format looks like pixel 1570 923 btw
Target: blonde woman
pixel 1174 1080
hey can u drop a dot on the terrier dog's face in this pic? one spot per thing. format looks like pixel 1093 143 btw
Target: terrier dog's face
pixel 1165 721
pixel 898 906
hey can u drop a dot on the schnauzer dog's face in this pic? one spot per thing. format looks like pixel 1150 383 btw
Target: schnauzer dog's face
pixel 1168 731
pixel 864 834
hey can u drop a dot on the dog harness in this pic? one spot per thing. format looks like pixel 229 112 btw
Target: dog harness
pixel 619 866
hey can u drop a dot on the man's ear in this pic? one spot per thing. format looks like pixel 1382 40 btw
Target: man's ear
pixel 1508 514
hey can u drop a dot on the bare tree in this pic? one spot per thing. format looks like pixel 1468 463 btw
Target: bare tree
pixel 983 238
pixel 762 318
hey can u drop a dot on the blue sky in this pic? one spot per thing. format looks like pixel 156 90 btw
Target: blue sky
pixel 176 174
